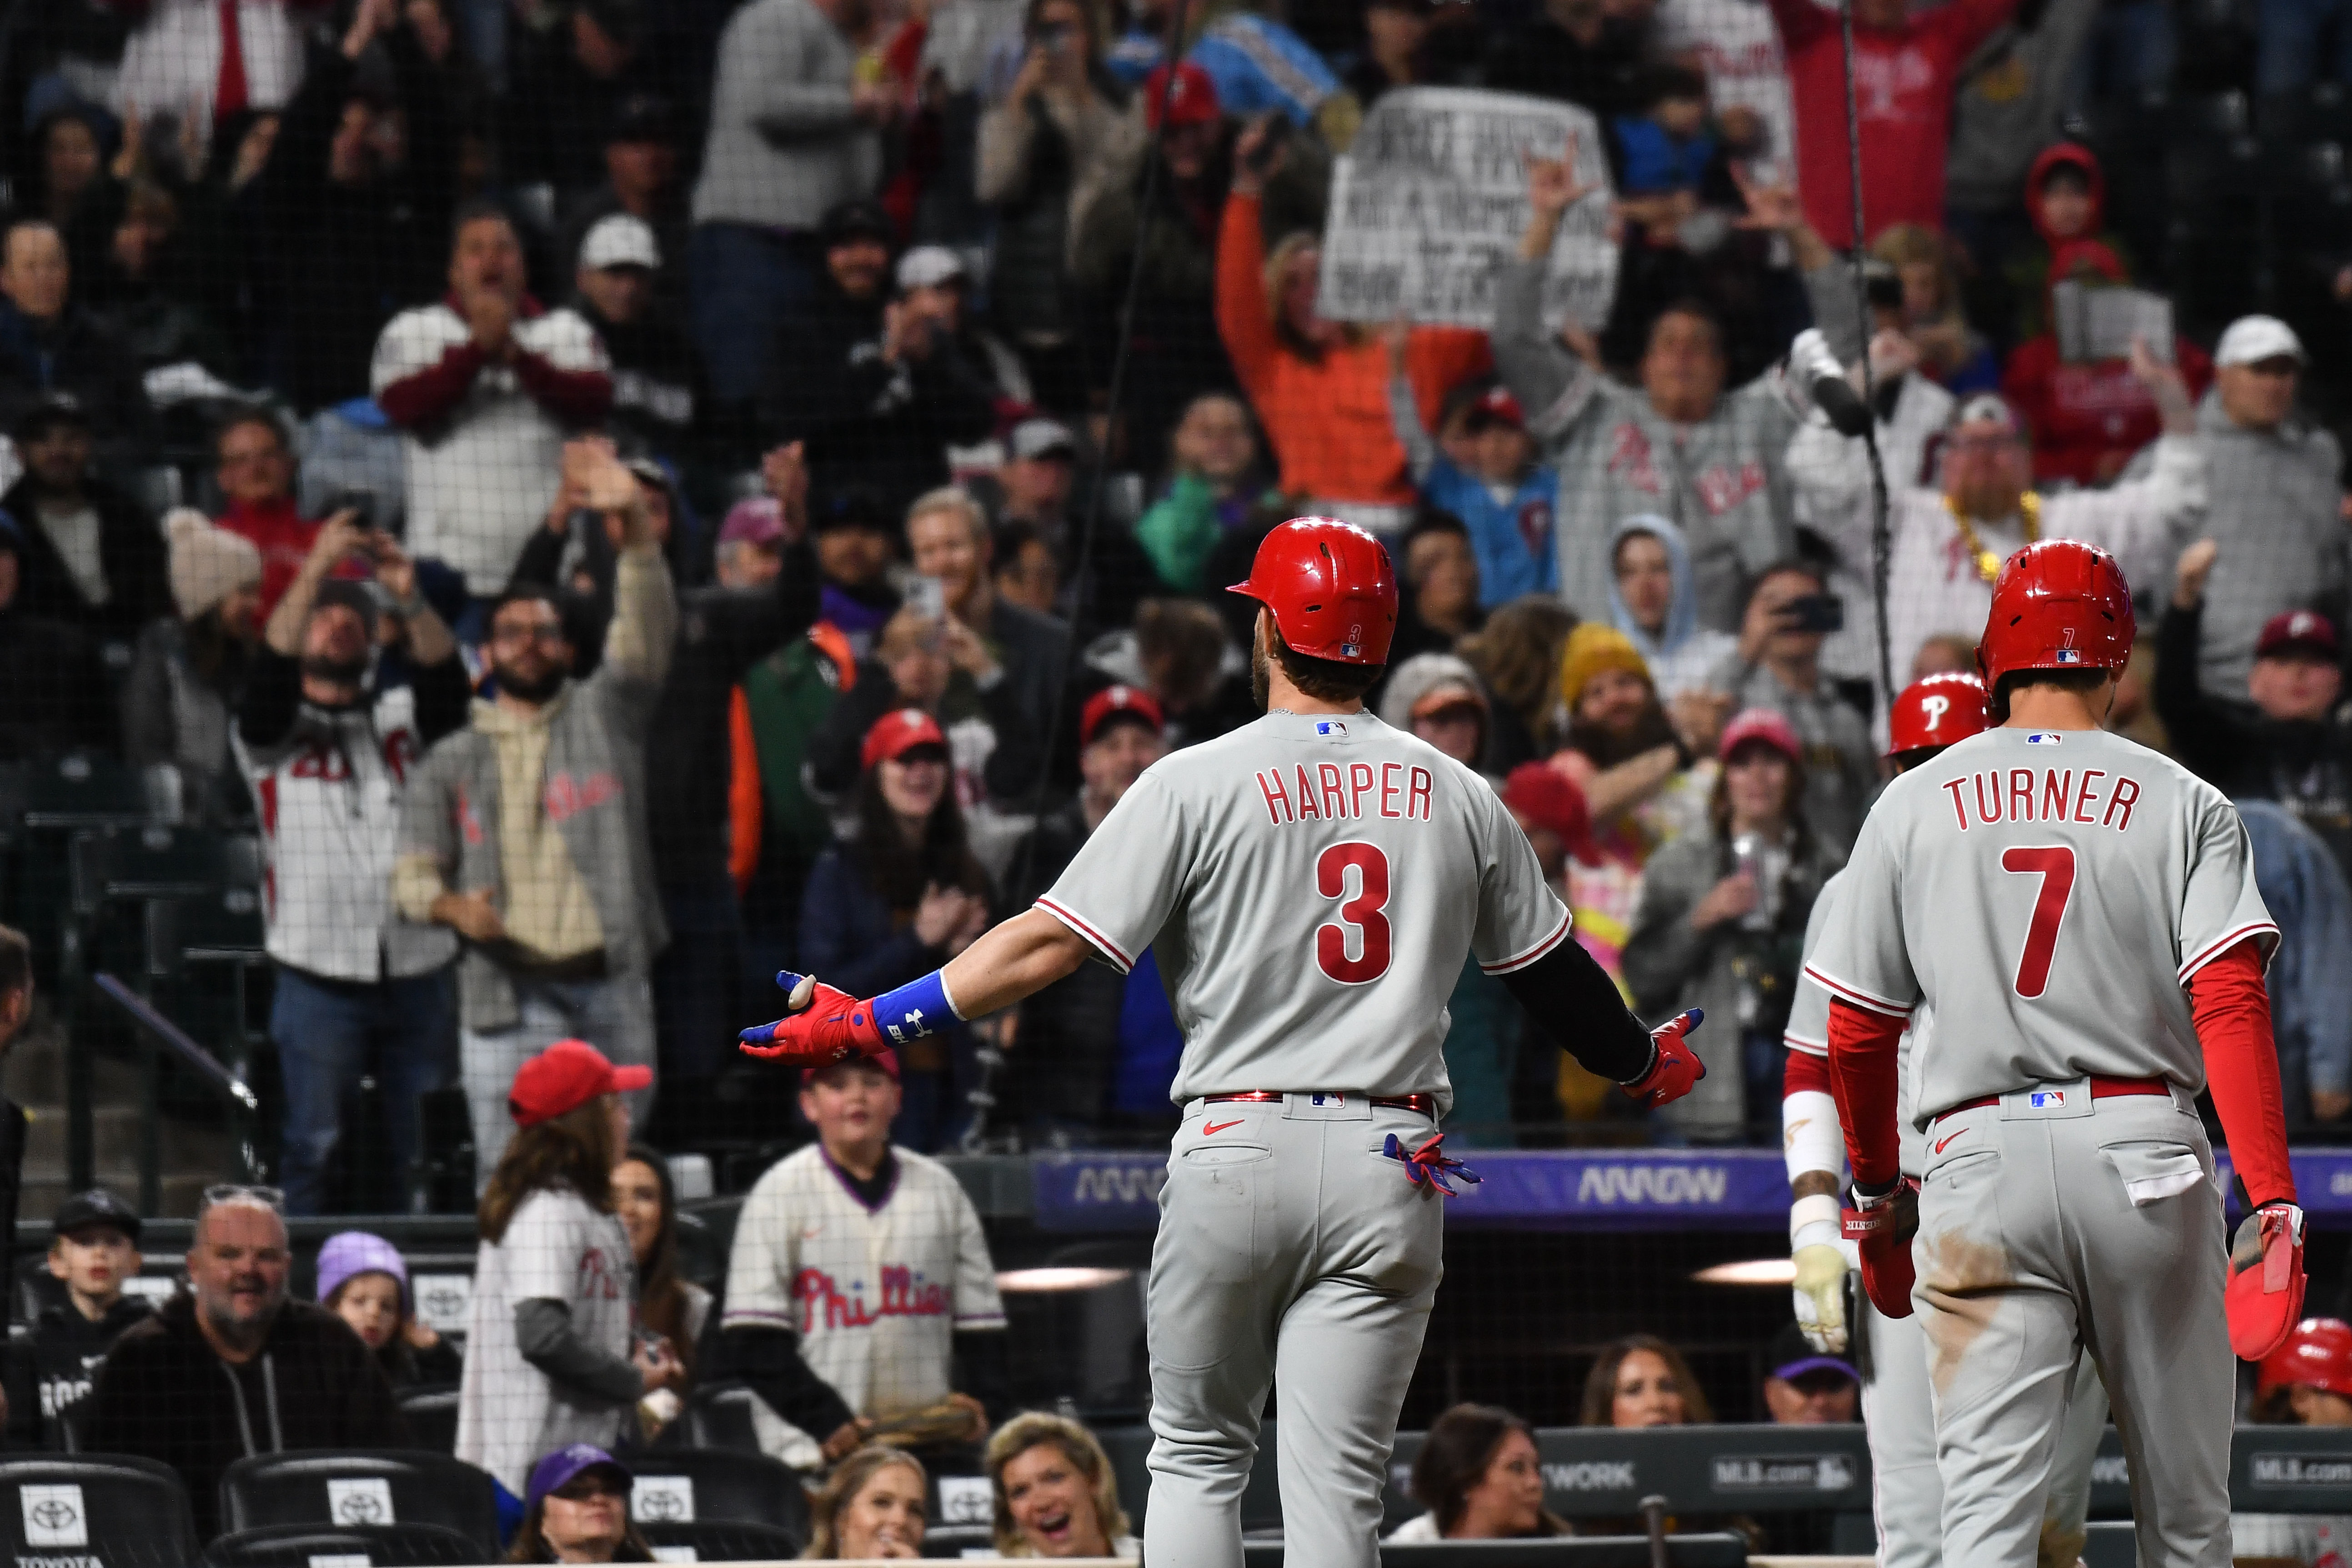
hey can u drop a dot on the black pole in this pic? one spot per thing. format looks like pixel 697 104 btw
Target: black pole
pixel 1881 538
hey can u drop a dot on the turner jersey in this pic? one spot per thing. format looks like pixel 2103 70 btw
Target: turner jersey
pixel 2050 893
pixel 1808 1029
pixel 1310 885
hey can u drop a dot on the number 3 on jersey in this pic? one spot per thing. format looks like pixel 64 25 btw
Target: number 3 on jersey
pixel 2056 867
pixel 1362 925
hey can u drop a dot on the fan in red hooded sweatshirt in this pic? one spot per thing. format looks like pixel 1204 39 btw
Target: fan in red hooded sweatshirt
pixel 2089 419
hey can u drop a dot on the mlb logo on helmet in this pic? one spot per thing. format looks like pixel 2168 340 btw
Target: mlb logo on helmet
pixel 2066 652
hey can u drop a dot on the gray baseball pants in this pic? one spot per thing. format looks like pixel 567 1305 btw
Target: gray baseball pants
pixel 1290 1251
pixel 2052 1224
pixel 1907 1495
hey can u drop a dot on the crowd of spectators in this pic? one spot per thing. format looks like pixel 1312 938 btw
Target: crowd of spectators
pixel 627 499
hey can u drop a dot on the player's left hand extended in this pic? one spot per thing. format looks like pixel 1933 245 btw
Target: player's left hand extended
pixel 1677 1066
pixel 820 1026
pixel 2265 1293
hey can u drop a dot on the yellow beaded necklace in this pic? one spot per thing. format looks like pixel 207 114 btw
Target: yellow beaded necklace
pixel 2029 511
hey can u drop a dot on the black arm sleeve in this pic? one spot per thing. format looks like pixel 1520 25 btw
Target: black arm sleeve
pixel 2204 733
pixel 273 691
pixel 544 1334
pixel 980 1363
pixel 442 695
pixel 1566 993
pixel 768 1361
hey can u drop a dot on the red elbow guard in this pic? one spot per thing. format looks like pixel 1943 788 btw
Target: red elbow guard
pixel 2232 1009
pixel 1863 1078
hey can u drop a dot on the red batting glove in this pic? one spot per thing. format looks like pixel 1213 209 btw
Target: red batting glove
pixel 1882 1229
pixel 1677 1066
pixel 821 1027
pixel 2265 1297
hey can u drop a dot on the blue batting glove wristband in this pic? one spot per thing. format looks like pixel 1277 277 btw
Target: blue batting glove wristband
pixel 918 1008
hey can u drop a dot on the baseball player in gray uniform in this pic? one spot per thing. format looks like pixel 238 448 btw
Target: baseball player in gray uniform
pixel 1310 883
pixel 1907 1497
pixel 2081 914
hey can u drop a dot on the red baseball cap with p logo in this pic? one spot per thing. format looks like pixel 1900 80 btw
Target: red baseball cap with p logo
pixel 565 1077
pixel 898 732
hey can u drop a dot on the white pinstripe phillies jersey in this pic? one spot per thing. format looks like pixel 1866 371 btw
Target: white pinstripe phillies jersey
pixel 2050 893
pixel 1311 885
pixel 875 1294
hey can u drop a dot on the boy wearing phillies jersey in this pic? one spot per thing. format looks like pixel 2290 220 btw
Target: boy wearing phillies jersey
pixel 2081 914
pixel 860 1280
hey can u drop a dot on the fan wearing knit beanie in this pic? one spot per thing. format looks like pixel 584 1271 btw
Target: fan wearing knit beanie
pixel 188 669
pixel 1642 790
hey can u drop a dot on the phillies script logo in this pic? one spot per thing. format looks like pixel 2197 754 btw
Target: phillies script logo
pixel 563 797
pixel 904 1294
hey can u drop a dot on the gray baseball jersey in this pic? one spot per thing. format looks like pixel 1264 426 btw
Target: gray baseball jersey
pixel 1311 884
pixel 2055 890
pixel 1808 1028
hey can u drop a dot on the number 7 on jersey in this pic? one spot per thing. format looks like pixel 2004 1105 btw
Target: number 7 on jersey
pixel 2055 866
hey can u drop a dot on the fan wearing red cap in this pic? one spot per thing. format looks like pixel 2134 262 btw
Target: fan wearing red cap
pixel 551 1358
pixel 1310 886
pixel 1486 471
pixel 2081 914
pixel 2293 747
pixel 1720 912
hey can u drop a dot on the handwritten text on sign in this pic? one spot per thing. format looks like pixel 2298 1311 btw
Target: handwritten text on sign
pixel 1432 199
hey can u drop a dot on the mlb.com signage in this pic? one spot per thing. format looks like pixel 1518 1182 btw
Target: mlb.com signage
pixel 1738 1189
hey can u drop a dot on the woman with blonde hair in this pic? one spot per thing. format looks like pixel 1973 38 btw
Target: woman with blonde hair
pixel 1055 1493
pixel 871 1506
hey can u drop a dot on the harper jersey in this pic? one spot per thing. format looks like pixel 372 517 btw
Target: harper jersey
pixel 1808 1030
pixel 556 1249
pixel 875 1295
pixel 1311 884
pixel 2050 892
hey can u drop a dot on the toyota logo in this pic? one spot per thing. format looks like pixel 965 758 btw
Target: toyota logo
pixel 51 1513
pixel 660 1505
pixel 359 1508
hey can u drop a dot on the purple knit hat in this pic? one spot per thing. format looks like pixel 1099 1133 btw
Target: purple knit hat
pixel 350 1252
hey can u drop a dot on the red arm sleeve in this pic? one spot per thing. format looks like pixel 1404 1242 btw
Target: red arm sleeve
pixel 1243 318
pixel 422 398
pixel 1807 1072
pixel 1862 1081
pixel 577 397
pixel 2232 1009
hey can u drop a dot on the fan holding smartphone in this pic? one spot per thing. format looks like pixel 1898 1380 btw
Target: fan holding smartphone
pixel 1778 665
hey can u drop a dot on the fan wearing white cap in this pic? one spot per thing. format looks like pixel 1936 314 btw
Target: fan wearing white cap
pixel 2274 508
pixel 934 283
pixel 653 369
pixel 1949 541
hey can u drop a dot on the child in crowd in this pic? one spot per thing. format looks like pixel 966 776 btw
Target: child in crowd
pixel 1487 474
pixel 363 1280
pixel 1665 151
pixel 93 1248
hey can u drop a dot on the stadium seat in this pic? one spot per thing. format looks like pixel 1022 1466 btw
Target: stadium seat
pixel 113 1510
pixel 432 1415
pixel 721 1540
pixel 322 1486
pixel 720 1417
pixel 695 1485
pixel 959 1541
pixel 378 1545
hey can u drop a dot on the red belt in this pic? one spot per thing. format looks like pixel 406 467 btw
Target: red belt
pixel 1422 1104
pixel 2102 1088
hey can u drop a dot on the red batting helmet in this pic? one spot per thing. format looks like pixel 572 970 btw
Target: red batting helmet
pixel 1938 710
pixel 1331 587
pixel 2318 1352
pixel 2058 605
